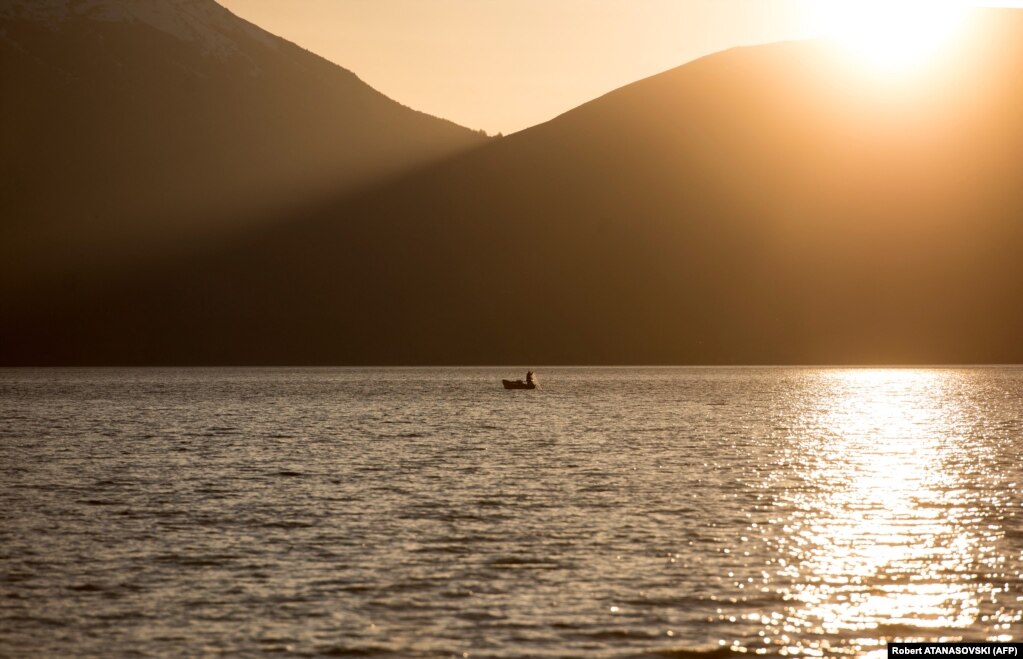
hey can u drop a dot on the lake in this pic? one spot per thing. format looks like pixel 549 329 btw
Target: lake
pixel 614 512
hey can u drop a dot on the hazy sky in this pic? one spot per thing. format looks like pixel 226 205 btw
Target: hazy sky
pixel 505 65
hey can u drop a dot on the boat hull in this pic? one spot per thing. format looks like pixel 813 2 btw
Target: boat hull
pixel 517 384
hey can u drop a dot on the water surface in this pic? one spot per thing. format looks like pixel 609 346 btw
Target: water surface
pixel 430 513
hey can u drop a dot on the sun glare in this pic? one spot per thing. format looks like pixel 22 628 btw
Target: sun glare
pixel 892 36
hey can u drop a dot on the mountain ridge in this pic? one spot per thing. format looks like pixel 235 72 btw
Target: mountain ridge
pixel 759 206
pixel 129 128
pixel 188 20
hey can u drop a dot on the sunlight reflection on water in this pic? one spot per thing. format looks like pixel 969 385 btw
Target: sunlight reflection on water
pixel 886 540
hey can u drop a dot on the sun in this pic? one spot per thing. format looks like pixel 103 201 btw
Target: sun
pixel 892 36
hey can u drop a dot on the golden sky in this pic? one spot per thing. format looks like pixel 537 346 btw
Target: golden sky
pixel 505 65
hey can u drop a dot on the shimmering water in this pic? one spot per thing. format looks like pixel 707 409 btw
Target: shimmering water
pixel 430 513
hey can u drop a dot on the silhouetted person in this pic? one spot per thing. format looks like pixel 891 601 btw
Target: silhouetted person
pixel 531 378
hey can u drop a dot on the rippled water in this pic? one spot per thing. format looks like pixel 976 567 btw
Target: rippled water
pixel 430 513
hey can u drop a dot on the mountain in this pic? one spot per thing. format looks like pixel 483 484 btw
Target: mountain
pixel 129 126
pixel 772 204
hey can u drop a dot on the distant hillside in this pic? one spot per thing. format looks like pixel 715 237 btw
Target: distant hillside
pixel 131 124
pixel 763 205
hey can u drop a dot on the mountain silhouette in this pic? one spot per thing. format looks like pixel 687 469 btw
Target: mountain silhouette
pixel 772 204
pixel 128 126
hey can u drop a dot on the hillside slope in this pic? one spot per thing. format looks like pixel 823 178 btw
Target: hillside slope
pixel 131 125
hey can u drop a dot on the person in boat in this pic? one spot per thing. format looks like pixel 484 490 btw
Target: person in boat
pixel 531 378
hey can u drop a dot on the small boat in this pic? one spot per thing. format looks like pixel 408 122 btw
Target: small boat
pixel 530 382
pixel 518 384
